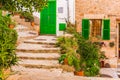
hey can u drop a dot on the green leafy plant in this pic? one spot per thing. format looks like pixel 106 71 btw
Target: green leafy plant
pixel 68 47
pixel 84 55
pixel 102 55
pixel 8 38
pixel 61 59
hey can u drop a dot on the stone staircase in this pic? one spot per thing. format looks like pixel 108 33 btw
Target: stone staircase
pixel 39 52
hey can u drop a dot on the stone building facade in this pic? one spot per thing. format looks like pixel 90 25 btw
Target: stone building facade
pixel 100 10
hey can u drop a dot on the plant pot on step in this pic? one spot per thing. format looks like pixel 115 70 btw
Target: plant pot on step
pixel 21 17
pixel 102 63
pixel 65 61
pixel 79 73
pixel 32 24
pixel 11 26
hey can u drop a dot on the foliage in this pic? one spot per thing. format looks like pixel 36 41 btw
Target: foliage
pixel 70 28
pixel 89 55
pixel 6 21
pixel 8 38
pixel 27 15
pixel 88 52
pixel 62 57
pixel 22 5
pixel 102 55
pixel 68 47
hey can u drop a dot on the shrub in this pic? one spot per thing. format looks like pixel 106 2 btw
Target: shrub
pixel 8 38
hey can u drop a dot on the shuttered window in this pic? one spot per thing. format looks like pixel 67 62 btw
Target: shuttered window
pixel 106 29
pixel 85 28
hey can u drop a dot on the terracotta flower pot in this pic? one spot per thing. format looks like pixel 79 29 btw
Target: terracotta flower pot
pixel 65 61
pixel 102 64
pixel 79 73
pixel 21 17
pixel 32 24
pixel 11 26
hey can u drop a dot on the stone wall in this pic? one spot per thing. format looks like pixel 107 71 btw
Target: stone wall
pixel 111 7
pixel 100 9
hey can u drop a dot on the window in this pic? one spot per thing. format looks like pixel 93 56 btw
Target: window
pixel 96 28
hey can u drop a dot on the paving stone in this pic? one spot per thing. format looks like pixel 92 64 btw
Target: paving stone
pixel 39 56
pixel 110 72
pixel 37 48
pixel 40 63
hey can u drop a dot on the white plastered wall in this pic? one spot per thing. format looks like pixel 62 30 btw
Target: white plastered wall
pixel 63 7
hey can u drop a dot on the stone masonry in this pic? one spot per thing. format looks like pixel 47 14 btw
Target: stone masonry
pixel 100 9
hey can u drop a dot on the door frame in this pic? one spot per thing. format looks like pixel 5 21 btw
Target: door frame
pixel 55 19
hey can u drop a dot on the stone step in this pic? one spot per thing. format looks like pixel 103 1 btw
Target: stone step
pixel 37 48
pixel 47 64
pixel 41 56
pixel 27 34
pixel 42 40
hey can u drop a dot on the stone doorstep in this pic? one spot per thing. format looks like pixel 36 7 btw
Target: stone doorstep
pixel 41 56
pixel 40 42
pixel 40 63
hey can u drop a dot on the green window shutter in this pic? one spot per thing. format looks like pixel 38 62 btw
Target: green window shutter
pixel 106 29
pixel 85 28
pixel 62 26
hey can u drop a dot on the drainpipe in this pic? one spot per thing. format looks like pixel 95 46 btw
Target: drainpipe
pixel 68 10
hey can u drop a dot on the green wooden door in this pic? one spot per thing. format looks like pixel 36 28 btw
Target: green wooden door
pixel 48 19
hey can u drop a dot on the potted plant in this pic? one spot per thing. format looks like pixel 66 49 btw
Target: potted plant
pixel 78 68
pixel 31 18
pixel 63 59
pixel 22 15
pixel 102 58
pixel 12 24
pixel 89 56
pixel 68 47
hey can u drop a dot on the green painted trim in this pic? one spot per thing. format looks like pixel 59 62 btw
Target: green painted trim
pixel 85 28
pixel 62 26
pixel 106 29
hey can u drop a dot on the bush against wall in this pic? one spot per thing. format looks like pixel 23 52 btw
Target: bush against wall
pixel 8 38
pixel 89 54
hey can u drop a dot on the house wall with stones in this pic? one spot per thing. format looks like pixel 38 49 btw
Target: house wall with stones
pixel 100 9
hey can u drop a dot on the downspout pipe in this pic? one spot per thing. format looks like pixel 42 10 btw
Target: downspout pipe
pixel 68 10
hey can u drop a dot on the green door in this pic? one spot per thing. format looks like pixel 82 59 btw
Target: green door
pixel 48 19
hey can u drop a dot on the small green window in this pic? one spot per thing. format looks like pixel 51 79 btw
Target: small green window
pixel 62 26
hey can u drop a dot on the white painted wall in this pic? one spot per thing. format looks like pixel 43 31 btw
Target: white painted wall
pixel 62 17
